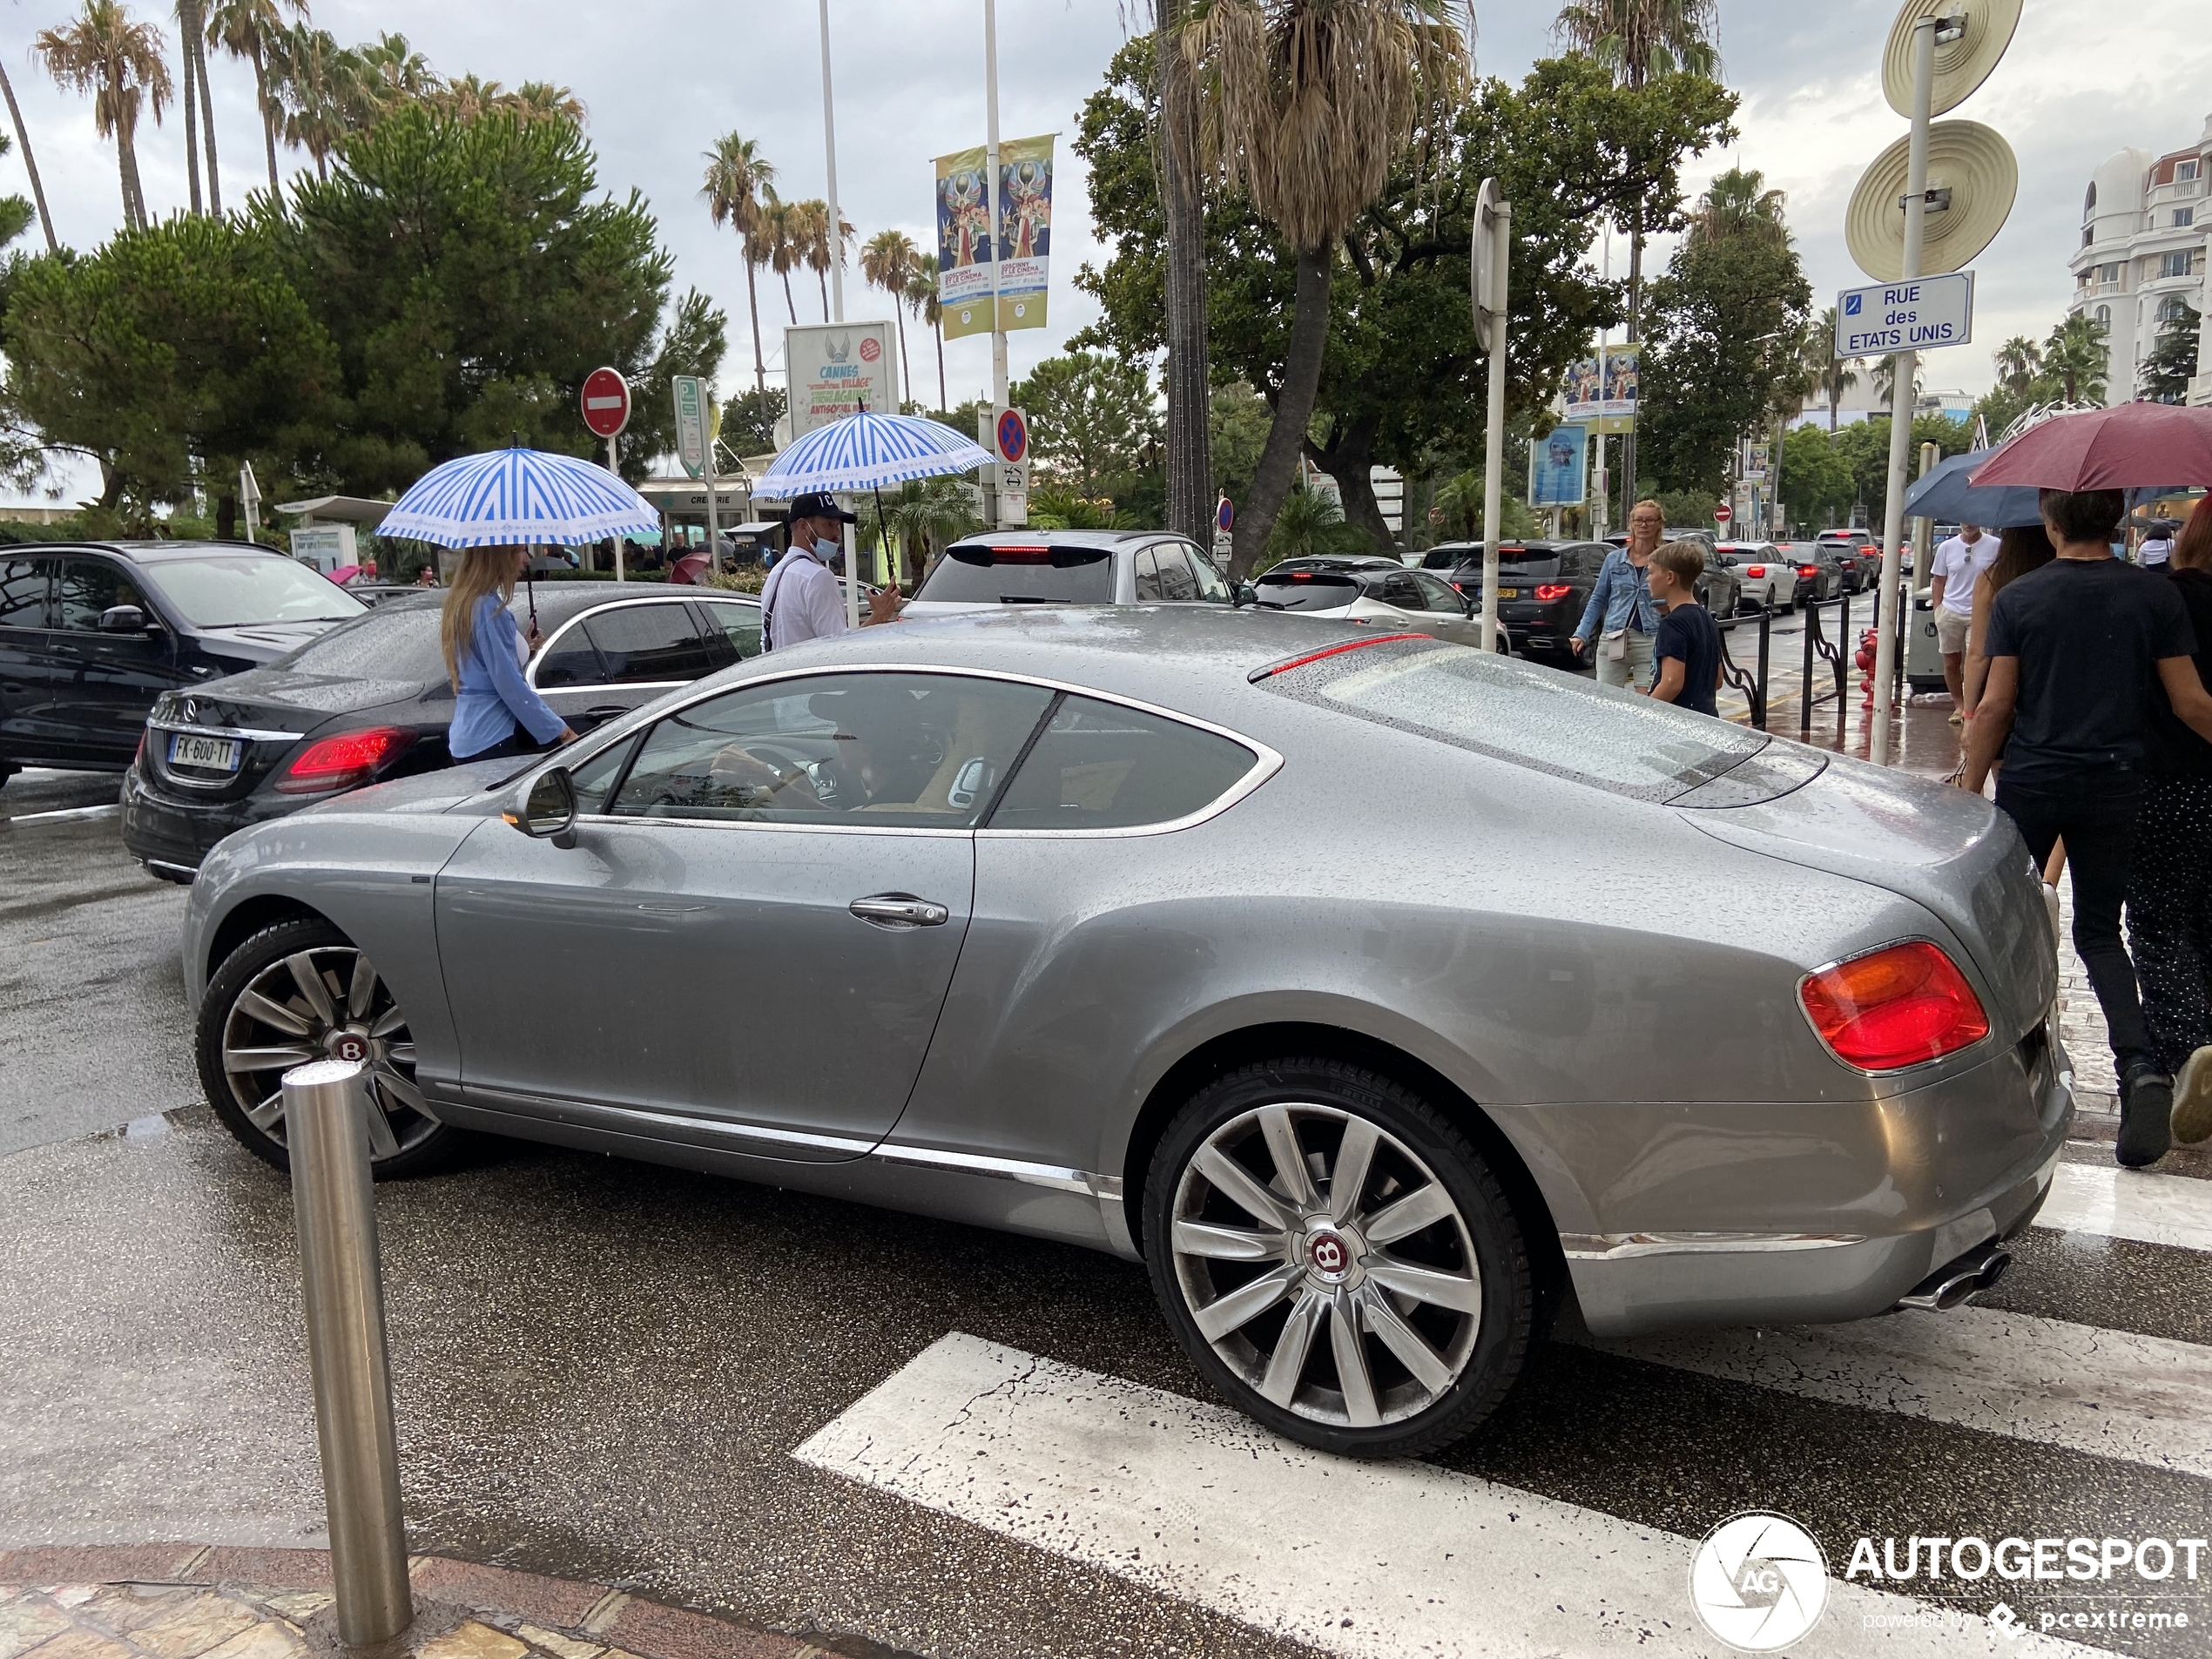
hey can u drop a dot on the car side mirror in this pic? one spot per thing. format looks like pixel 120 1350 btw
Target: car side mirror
pixel 124 619
pixel 1247 594
pixel 546 810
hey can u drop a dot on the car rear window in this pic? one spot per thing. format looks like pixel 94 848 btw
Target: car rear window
pixel 241 589
pixel 1306 590
pixel 398 642
pixel 1532 717
pixel 1022 575
pixel 1100 766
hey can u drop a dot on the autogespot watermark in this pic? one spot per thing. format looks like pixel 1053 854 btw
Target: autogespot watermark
pixel 1759 1581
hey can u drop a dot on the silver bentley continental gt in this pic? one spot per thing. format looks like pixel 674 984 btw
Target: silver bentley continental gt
pixel 1029 919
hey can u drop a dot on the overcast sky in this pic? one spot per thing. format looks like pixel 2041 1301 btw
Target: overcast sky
pixel 661 78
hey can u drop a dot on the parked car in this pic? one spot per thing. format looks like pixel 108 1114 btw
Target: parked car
pixel 1861 560
pixel 1387 595
pixel 1543 587
pixel 1766 577
pixel 1819 571
pixel 1366 1132
pixel 370 700
pixel 1069 567
pixel 93 632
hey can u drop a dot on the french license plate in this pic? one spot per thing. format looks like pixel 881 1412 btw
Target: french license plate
pixel 1508 593
pixel 210 754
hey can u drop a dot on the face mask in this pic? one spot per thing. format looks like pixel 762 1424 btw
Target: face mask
pixel 827 548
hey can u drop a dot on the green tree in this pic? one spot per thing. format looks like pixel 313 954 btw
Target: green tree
pixel 249 29
pixel 925 517
pixel 1831 375
pixel 1237 432
pixel 888 262
pixel 1726 323
pixel 472 276
pixel 923 299
pixel 1818 485
pixel 171 356
pixel 1090 417
pixel 2172 363
pixel 2077 360
pixel 1864 447
pixel 749 420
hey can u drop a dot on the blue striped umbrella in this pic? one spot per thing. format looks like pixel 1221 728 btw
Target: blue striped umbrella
pixel 864 451
pixel 517 498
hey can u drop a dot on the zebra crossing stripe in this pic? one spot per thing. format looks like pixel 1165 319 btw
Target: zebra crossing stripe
pixel 2111 1393
pixel 1371 1560
pixel 2172 1210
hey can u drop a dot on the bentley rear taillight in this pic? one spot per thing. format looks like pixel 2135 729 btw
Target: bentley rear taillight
pixel 1902 1005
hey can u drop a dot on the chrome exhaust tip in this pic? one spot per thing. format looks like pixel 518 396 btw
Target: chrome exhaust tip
pixel 1959 1282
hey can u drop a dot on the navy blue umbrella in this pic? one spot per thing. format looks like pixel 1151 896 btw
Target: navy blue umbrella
pixel 1945 494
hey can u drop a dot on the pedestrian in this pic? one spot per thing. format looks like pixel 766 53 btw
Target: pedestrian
pixel 2020 547
pixel 2169 895
pixel 1620 612
pixel 1959 565
pixel 495 712
pixel 2157 547
pixel 2073 649
pixel 801 600
pixel 427 575
pixel 1686 651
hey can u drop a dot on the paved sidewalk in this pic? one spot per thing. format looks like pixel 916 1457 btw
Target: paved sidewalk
pixel 201 1601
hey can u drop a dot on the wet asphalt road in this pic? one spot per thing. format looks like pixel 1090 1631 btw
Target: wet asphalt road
pixel 602 1368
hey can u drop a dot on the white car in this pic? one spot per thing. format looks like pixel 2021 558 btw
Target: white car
pixel 1768 578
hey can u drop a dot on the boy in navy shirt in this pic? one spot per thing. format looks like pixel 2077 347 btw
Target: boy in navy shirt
pixel 1686 653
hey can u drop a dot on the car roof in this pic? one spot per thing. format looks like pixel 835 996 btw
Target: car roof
pixel 145 552
pixel 1057 538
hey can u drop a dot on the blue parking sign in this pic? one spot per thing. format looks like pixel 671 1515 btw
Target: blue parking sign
pixel 1851 303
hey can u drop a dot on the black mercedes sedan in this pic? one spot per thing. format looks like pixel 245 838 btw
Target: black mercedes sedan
pixel 369 701
pixel 93 632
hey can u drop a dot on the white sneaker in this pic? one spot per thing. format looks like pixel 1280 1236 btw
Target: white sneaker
pixel 2193 1098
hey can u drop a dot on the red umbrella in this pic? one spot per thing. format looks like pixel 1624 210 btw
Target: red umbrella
pixel 688 569
pixel 2132 445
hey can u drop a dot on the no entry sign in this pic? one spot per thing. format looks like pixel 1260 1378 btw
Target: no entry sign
pixel 1723 513
pixel 606 402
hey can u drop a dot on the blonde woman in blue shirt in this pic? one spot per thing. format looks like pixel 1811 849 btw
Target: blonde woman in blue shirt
pixel 495 713
pixel 1621 614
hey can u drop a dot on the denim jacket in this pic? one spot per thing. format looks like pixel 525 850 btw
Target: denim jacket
pixel 1621 596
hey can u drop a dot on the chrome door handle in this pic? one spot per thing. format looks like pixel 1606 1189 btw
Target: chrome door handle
pixel 898 910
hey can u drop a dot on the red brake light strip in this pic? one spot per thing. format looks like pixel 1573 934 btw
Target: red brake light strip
pixel 1272 669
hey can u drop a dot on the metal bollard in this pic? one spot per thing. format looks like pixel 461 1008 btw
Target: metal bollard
pixel 326 1121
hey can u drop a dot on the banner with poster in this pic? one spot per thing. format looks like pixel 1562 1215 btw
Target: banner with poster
pixel 1556 462
pixel 834 368
pixel 1025 230
pixel 1585 399
pixel 965 271
pixel 1601 388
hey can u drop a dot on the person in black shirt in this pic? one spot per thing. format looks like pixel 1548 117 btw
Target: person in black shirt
pixel 1686 652
pixel 2074 651
pixel 2170 894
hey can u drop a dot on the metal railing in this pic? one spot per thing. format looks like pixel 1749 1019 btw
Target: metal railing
pixel 1824 658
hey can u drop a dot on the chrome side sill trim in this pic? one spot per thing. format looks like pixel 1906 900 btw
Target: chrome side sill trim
pixel 1621 1246
pixel 1032 1175
pixel 188 871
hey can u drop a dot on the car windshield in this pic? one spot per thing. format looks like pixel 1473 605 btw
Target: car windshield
pixel 1533 718
pixel 395 642
pixel 1022 575
pixel 241 589
pixel 1306 590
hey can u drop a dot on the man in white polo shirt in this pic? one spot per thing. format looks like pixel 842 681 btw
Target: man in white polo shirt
pixel 1959 565
pixel 800 600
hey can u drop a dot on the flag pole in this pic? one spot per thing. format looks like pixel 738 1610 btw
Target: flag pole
pixel 991 188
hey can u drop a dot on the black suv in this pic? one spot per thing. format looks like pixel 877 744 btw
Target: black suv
pixel 1543 587
pixel 93 632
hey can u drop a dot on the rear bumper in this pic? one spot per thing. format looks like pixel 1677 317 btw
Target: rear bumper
pixel 1887 1193
pixel 175 835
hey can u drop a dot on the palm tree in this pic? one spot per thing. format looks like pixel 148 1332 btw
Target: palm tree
pixel 1638 39
pixel 737 176
pixel 926 517
pixel 1884 375
pixel 782 227
pixel 1186 375
pixel 810 231
pixel 188 26
pixel 2020 365
pixel 1309 104
pixel 924 300
pixel 247 29
pixel 393 72
pixel 1738 205
pixel 23 139
pixel 887 262
pixel 318 87
pixel 2077 357
pixel 1831 375
pixel 120 63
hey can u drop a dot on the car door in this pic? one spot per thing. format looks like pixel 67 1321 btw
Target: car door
pixel 607 662
pixel 104 683
pixel 754 931
pixel 1178 582
pixel 25 648
pixel 1210 586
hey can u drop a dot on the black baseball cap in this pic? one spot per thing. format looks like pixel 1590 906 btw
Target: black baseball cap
pixel 818 506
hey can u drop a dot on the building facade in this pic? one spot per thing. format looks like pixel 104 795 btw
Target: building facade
pixel 2146 221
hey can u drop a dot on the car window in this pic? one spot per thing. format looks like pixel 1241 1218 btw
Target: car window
pixel 738 624
pixel 397 642
pixel 596 776
pixel 873 751
pixel 87 588
pixel 22 593
pixel 1306 590
pixel 1177 585
pixel 242 589
pixel 1439 595
pixel 1213 587
pixel 1398 588
pixel 644 644
pixel 1100 765
pixel 1147 572
pixel 570 658
pixel 1582 564
pixel 1024 574
pixel 1552 722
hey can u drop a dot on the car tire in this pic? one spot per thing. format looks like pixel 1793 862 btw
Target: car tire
pixel 1430 1326
pixel 261 1008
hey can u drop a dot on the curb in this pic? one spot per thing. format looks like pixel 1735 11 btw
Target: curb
pixel 566 1618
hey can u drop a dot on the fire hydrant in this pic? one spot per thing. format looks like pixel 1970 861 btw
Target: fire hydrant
pixel 1864 657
